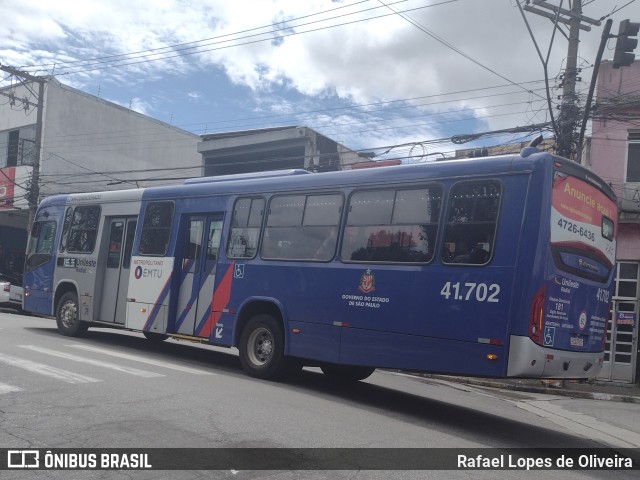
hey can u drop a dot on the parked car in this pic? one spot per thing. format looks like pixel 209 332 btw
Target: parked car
pixel 11 292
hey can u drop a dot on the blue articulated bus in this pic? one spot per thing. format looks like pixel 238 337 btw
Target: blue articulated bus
pixel 496 267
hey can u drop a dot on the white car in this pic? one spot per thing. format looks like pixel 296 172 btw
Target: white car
pixel 11 292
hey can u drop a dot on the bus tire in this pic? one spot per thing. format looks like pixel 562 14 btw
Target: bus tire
pixel 262 350
pixel 155 337
pixel 347 373
pixel 68 318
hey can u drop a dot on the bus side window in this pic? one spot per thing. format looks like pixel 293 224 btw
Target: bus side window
pixel 245 228
pixel 156 228
pixel 471 222
pixel 65 229
pixel 83 230
pixel 320 225
pixel 192 246
pixel 128 243
pixel 302 227
pixel 397 226
pixel 213 241
pixel 115 244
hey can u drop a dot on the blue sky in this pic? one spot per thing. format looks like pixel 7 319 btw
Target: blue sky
pixel 370 74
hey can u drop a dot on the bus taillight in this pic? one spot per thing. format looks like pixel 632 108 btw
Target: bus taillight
pixel 536 316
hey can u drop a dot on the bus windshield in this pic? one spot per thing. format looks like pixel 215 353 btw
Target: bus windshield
pixel 40 244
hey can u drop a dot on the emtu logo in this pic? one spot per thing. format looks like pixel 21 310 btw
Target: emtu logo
pixel 23 458
pixel 147 272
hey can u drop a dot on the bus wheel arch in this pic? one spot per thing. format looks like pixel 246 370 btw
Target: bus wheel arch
pixel 67 312
pixel 260 338
pixel 62 289
pixel 253 308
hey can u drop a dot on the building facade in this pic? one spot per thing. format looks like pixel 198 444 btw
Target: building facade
pixel 87 144
pixel 278 148
pixel 615 157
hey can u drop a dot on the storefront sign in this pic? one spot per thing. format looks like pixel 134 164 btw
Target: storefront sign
pixel 7 181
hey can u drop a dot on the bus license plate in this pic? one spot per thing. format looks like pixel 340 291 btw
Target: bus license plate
pixel 577 342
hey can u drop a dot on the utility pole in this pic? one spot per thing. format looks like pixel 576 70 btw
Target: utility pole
pixel 569 109
pixel 592 86
pixel 623 57
pixel 33 192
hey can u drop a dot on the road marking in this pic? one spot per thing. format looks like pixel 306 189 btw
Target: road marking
pixel 582 424
pixel 4 388
pixel 46 370
pixel 96 363
pixel 137 358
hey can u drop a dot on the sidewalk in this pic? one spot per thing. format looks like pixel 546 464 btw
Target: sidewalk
pixel 595 389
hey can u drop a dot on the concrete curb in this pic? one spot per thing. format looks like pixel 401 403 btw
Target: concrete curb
pixel 595 395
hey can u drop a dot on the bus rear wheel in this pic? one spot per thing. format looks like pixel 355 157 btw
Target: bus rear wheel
pixel 262 350
pixel 68 316
pixel 347 373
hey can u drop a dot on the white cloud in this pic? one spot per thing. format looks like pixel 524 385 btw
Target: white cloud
pixel 375 60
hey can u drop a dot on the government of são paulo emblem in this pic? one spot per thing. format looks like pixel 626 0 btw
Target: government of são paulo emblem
pixel 367 282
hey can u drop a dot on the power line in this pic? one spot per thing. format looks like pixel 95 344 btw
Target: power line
pixel 265 160
pixel 199 49
pixel 203 42
pixel 366 105
pixel 98 140
pixel 122 146
pixel 106 134
pixel 447 44
pixel 184 44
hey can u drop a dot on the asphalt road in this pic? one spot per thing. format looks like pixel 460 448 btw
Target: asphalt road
pixel 115 389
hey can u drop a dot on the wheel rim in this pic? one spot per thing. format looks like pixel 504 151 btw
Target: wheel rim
pixel 261 345
pixel 68 314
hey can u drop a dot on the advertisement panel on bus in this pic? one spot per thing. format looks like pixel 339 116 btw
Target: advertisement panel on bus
pixel 583 246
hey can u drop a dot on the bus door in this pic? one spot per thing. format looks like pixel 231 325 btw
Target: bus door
pixel 201 236
pixel 117 253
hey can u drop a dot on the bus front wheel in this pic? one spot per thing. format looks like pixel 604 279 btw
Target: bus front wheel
pixel 262 350
pixel 347 373
pixel 68 317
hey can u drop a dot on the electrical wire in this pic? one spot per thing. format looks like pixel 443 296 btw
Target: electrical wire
pixel 444 42
pixel 199 49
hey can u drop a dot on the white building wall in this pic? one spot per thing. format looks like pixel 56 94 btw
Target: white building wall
pixel 88 144
pixel 91 144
